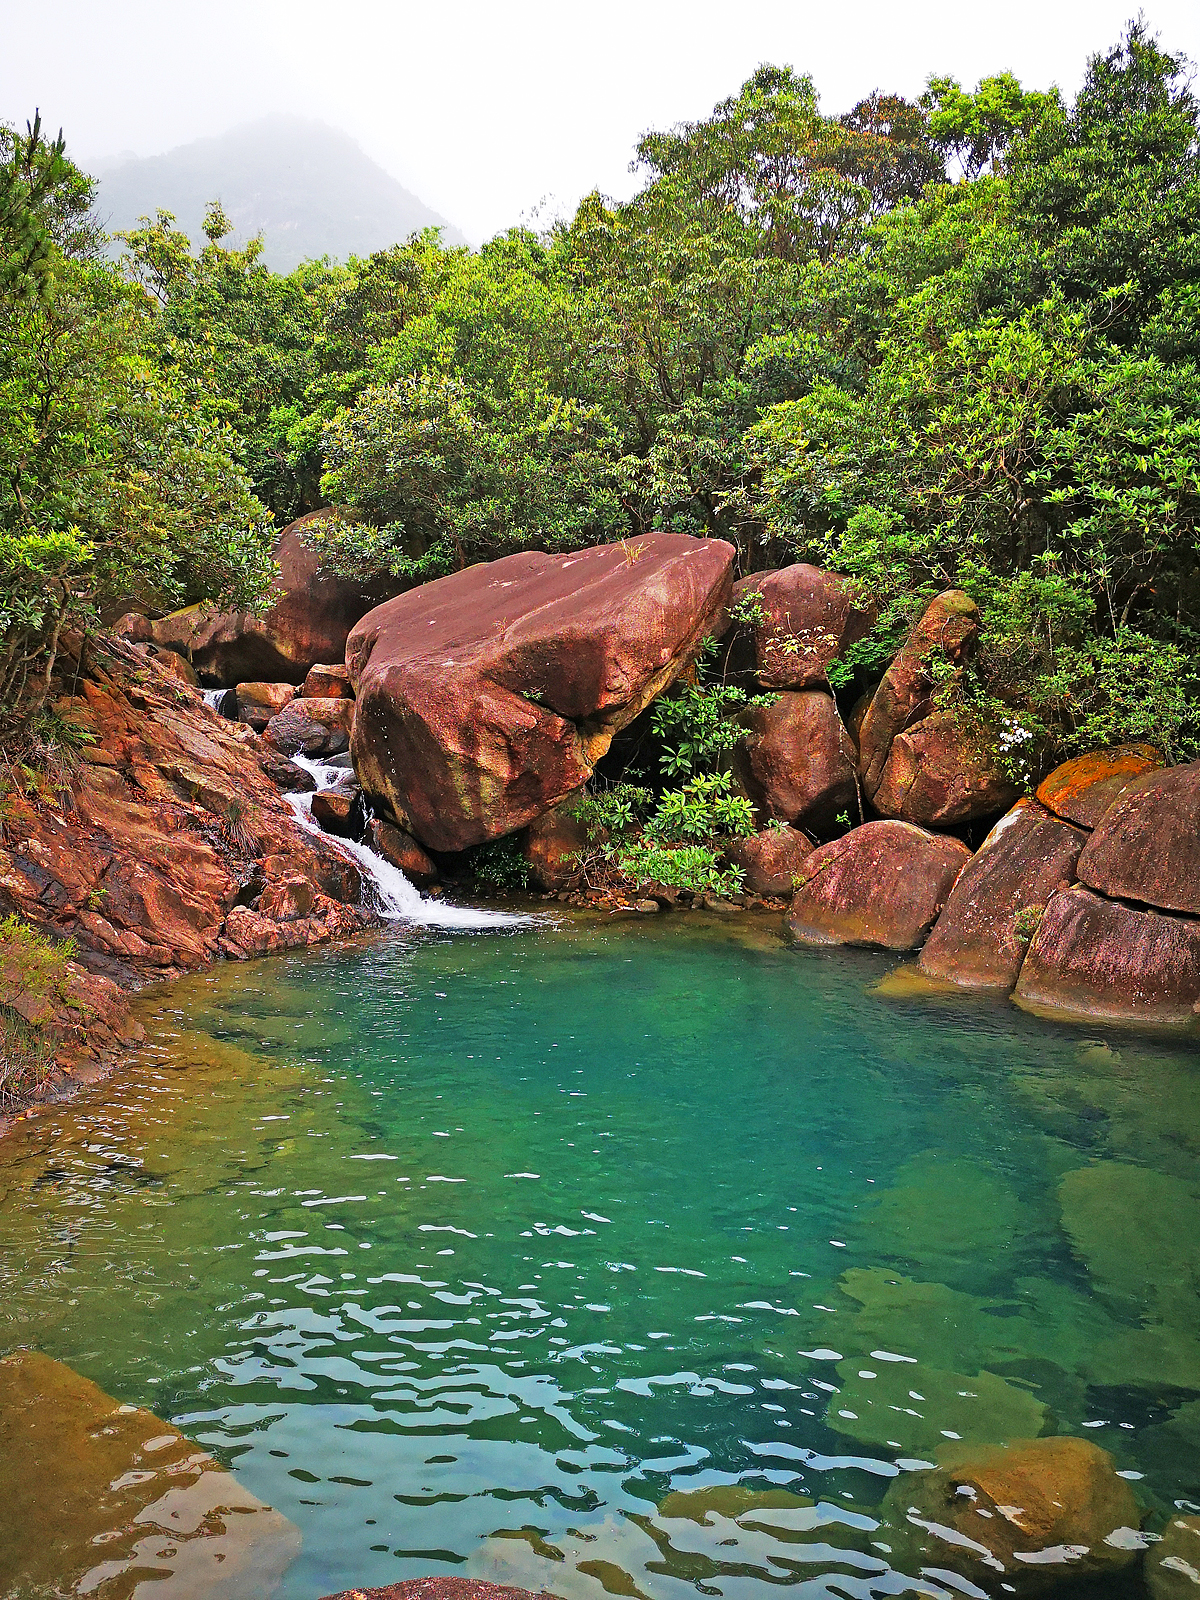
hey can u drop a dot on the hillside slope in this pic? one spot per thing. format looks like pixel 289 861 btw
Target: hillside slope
pixel 308 188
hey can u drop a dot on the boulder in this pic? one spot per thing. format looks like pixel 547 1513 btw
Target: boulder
pixel 1173 1565
pixel 981 937
pixel 339 811
pixel 442 1587
pixel 404 853
pixel 809 617
pixel 770 859
pixel 175 666
pixel 258 702
pixel 285 773
pixel 307 623
pixel 287 899
pixel 311 727
pixel 796 760
pixel 939 773
pixel 327 682
pixel 133 626
pixel 1146 846
pixel 1093 957
pixel 551 844
pixel 487 696
pixel 948 630
pixel 1082 790
pixel 881 884
pixel 1018 1518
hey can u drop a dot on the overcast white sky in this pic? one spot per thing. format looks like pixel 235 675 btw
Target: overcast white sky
pixel 487 110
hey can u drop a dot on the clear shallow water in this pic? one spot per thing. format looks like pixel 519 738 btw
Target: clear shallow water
pixel 466 1252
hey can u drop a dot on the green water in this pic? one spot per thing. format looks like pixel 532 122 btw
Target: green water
pixel 465 1251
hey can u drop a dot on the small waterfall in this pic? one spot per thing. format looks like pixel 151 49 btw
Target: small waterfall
pixel 399 900
pixel 214 699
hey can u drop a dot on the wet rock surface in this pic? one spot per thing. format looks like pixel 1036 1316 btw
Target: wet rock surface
pixel 319 726
pixel 1093 957
pixel 486 697
pixel 404 853
pixel 553 845
pixel 981 937
pixel 438 1588
pixel 882 884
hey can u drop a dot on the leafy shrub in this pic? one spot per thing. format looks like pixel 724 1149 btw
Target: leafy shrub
pixel 691 867
pixel 500 865
pixel 33 971
pixel 705 808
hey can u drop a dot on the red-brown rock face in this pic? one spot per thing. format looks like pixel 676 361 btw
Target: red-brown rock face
pixel 796 761
pixel 487 696
pixel 808 618
pixel 981 937
pixel 403 851
pixel 1093 957
pixel 1146 846
pixel 317 727
pixel 949 628
pixel 169 823
pixel 881 884
pixel 770 859
pixel 1082 790
pixel 307 623
pixel 939 773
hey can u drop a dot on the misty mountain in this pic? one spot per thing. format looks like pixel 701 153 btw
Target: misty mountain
pixel 306 187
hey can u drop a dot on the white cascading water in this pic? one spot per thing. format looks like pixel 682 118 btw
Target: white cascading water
pixel 399 900
pixel 213 697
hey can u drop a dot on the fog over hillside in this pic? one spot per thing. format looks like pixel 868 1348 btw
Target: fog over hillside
pixel 308 188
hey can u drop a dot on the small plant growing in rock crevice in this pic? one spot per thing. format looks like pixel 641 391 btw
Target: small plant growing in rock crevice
pixel 33 987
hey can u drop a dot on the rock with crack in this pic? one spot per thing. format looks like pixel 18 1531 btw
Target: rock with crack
pixel 1146 846
pixel 941 772
pixel 486 697
pixel 803 618
pixel 981 937
pixel 796 760
pixel 1081 790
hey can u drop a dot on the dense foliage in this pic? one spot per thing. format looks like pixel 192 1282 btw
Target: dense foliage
pixel 952 342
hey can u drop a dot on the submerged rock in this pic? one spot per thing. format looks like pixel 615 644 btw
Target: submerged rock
pixel 1093 957
pixel 307 624
pixel 796 760
pixel 439 1588
pixel 880 1410
pixel 1018 1518
pixel 882 884
pixel 808 618
pixel 947 632
pixel 1082 790
pixel 981 937
pixel 770 859
pixel 1146 846
pixel 940 772
pixel 1173 1565
pixel 729 1500
pixel 98 1495
pixel 487 696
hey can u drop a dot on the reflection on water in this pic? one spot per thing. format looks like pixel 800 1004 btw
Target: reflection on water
pixel 633 1260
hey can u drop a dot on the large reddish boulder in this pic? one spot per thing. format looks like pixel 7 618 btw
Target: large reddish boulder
pixel 770 860
pixel 307 623
pixel 258 702
pixel 796 760
pixel 1146 847
pixel 941 772
pixel 1093 957
pixel 881 884
pixel 553 844
pixel 327 681
pixel 981 937
pixel 1082 790
pixel 486 697
pixel 948 631
pixel 441 1587
pixel 805 619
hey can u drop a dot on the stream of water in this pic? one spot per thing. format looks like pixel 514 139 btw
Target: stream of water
pixel 511 1254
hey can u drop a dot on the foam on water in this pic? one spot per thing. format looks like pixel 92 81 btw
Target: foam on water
pixel 398 899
